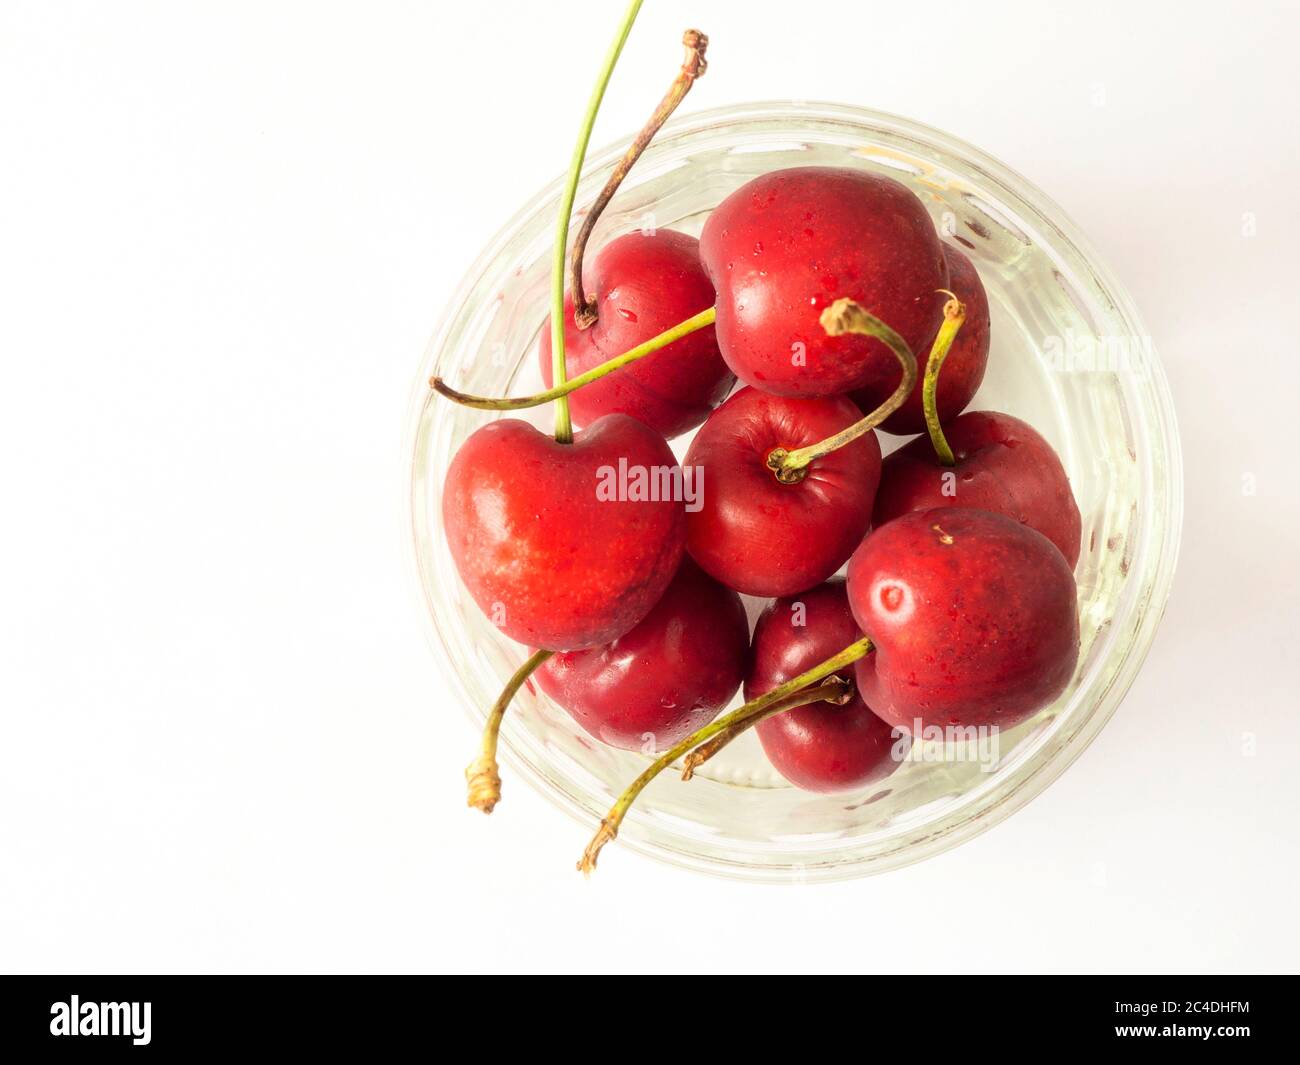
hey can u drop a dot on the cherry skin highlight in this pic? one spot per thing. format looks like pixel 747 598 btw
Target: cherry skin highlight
pixel 784 247
pixel 664 678
pixel 644 283
pixel 963 369
pixel 820 746
pixel 1003 465
pixel 762 537
pixel 974 617
pixel 550 562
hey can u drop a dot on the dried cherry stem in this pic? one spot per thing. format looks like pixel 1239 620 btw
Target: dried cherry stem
pixel 484 780
pixel 845 316
pixel 692 324
pixel 609 826
pixel 585 310
pixel 563 423
pixel 954 314
pixel 834 690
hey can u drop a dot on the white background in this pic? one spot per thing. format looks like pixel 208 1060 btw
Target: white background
pixel 226 233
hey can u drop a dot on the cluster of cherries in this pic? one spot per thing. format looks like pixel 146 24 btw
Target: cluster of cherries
pixel 813 286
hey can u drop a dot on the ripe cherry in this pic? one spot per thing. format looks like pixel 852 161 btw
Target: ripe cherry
pixel 550 560
pixel 764 537
pixel 819 746
pixel 1002 465
pixel 783 247
pixel 643 284
pixel 963 368
pixel 665 677
pixel 973 615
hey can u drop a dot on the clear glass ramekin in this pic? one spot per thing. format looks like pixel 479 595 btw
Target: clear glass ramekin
pixel 1070 355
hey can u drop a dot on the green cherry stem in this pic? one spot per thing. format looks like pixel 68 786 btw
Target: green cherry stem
pixel 563 423
pixel 841 317
pixel 835 690
pixel 691 325
pixel 609 826
pixel 954 314
pixel 693 67
pixel 481 774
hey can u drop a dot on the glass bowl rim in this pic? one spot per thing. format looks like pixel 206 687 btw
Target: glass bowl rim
pixel 1034 773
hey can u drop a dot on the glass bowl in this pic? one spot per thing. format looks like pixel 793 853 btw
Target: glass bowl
pixel 1069 355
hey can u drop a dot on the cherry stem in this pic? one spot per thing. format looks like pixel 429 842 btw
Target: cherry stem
pixel 563 423
pixel 694 65
pixel 841 317
pixel 484 780
pixel 834 690
pixel 954 314
pixel 610 824
pixel 692 324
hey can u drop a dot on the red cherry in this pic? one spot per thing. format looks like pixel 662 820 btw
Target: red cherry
pixel 644 284
pixel 974 618
pixel 963 369
pixel 758 535
pixel 663 679
pixel 820 746
pixel 553 561
pixel 1003 465
pixel 784 247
